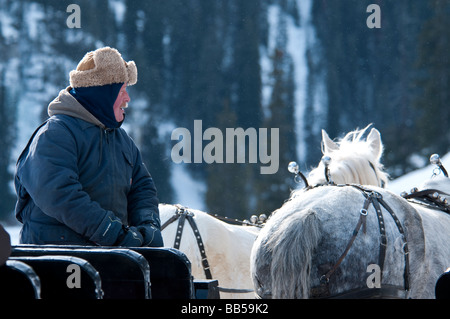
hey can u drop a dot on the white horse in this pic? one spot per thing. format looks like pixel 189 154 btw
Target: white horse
pixel 227 248
pixel 353 159
pixel 330 241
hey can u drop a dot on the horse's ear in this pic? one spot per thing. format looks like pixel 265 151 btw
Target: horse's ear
pixel 374 140
pixel 327 143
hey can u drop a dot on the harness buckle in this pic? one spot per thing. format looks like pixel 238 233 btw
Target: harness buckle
pixel 189 213
pixel 376 195
pixel 363 212
pixel 184 211
pixel 405 248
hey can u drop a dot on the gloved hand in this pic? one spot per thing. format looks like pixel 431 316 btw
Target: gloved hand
pixel 151 235
pixel 129 237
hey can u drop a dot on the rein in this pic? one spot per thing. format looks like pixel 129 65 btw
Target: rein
pixel 181 214
pixel 376 200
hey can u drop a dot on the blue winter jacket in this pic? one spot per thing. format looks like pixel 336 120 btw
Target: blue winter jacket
pixel 80 183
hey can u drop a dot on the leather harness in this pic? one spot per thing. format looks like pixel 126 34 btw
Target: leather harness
pixel 181 215
pixel 427 197
pixel 376 200
pixel 431 198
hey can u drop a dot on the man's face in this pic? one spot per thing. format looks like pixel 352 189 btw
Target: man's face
pixel 121 103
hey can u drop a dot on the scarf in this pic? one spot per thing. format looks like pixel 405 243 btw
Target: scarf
pixel 99 101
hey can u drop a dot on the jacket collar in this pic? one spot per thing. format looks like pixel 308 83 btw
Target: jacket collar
pixel 66 104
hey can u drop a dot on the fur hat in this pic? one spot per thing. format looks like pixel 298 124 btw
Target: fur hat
pixel 101 67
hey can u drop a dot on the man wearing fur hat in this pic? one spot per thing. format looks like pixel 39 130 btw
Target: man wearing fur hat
pixel 81 179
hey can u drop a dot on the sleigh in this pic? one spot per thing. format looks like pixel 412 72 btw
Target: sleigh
pixel 84 272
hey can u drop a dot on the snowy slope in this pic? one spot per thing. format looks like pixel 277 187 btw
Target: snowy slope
pixel 14 233
pixel 417 177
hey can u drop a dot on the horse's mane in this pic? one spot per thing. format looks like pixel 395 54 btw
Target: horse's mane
pixel 354 159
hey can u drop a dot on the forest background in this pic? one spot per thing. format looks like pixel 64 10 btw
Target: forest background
pixel 296 65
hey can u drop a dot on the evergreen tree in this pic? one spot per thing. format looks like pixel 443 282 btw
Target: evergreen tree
pixel 369 72
pixel 274 189
pixel 157 160
pixel 432 103
pixel 228 184
pixel 194 57
pixel 146 49
pixel 7 199
pixel 246 68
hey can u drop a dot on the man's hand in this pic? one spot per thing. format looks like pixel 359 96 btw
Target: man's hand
pixel 129 237
pixel 152 236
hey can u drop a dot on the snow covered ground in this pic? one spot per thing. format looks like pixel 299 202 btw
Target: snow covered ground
pixel 417 177
pixel 14 233
pixel 403 183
